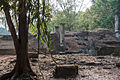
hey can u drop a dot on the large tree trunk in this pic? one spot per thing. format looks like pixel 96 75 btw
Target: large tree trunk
pixel 22 65
pixel 22 49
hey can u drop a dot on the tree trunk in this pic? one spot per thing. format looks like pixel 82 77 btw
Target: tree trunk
pixel 21 44
pixel 22 49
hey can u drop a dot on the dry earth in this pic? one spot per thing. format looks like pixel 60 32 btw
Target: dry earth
pixel 90 67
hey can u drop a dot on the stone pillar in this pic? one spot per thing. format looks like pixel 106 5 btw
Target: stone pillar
pixel 62 34
pixel 56 30
pixel 116 25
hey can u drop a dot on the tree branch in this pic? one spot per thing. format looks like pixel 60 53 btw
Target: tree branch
pixel 11 27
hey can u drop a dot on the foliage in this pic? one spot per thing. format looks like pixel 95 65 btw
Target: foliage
pixel 65 13
pixel 32 15
pixel 41 15
pixel 100 15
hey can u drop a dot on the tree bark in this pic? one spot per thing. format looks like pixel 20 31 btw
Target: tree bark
pixel 21 44
pixel 22 49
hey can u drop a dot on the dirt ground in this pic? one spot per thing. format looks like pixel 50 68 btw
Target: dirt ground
pixel 90 67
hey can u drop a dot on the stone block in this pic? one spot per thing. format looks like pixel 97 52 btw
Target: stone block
pixel 66 71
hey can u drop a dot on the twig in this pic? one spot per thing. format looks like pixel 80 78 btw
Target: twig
pixel 53 58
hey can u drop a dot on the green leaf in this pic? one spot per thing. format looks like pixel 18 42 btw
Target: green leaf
pixel 41 38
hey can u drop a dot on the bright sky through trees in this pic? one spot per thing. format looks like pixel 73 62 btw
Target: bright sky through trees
pixel 85 4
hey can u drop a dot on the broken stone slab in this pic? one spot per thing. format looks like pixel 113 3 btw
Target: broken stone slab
pixel 112 42
pixel 66 71
pixel 7 52
pixel 93 64
pixel 115 51
pixel 6 37
pixel 105 51
pixel 70 52
pixel 107 67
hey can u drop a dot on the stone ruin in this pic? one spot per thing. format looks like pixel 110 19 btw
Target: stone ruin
pixel 93 42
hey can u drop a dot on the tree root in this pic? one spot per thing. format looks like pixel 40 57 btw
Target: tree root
pixel 24 76
pixel 8 75
pixel 15 76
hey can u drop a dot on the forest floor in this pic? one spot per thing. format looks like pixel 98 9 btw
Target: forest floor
pixel 90 67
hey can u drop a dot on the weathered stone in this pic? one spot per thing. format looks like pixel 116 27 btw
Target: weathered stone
pixel 66 71
pixel 92 51
pixel 101 36
pixel 33 55
pixel 115 51
pixel 92 43
pixel 112 42
pixel 105 51
pixel 56 30
pixel 1 68
pixel 6 37
pixel 7 52
pixel 86 37
pixel 117 35
pixel 93 64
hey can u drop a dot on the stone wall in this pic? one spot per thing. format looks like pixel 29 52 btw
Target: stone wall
pixel 7 51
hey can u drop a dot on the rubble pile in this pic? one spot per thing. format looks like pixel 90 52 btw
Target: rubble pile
pixel 96 42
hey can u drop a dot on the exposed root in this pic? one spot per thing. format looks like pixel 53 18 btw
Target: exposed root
pixel 8 75
pixel 24 76
pixel 15 76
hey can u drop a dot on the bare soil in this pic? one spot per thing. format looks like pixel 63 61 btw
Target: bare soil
pixel 90 67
